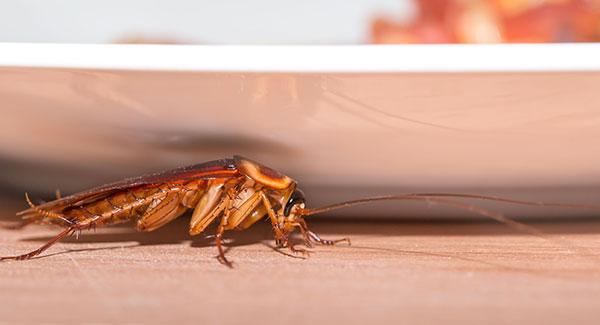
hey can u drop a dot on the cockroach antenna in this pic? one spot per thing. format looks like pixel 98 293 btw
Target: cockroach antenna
pixel 448 199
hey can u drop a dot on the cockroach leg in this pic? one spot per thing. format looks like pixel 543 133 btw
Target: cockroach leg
pixel 219 243
pixel 74 228
pixel 295 250
pixel 221 230
pixel 272 216
pixel 61 235
pixel 304 231
pixel 311 236
pixel 280 242
pixel 328 242
pixel 280 251
pixel 286 242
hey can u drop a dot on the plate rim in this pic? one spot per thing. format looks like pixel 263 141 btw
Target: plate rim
pixel 444 58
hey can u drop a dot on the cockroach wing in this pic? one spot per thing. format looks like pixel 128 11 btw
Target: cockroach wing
pixel 223 168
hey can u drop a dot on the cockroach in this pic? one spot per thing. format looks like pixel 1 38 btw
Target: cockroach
pixel 237 192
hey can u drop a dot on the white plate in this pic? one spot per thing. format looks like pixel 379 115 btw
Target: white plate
pixel 345 121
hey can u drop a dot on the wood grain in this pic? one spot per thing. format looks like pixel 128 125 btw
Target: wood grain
pixel 395 272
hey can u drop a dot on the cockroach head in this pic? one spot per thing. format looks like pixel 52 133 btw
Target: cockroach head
pixel 294 203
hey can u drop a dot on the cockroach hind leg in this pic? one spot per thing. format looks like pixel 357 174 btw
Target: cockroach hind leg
pixel 68 231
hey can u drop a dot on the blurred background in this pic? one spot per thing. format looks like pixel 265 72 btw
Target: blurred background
pixel 341 135
pixel 301 22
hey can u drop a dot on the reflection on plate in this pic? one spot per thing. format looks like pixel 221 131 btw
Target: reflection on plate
pixel 529 133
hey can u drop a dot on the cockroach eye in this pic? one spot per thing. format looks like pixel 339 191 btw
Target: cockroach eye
pixel 296 198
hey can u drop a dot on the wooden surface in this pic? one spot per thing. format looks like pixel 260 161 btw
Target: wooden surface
pixel 427 273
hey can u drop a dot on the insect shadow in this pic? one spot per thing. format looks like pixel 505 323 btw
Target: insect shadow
pixel 176 232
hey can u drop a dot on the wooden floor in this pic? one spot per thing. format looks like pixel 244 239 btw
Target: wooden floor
pixel 426 273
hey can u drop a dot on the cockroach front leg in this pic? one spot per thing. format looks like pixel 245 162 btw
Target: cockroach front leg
pixel 292 247
pixel 273 217
pixel 311 236
pixel 316 238
pixel 284 241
